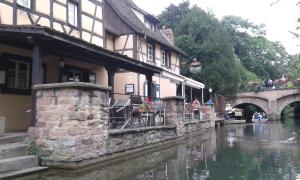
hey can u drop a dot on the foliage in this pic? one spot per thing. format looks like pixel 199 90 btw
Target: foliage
pixel 294 67
pixel 33 149
pixel 265 58
pixel 245 77
pixel 172 16
pixel 232 52
pixel 202 37
pixel 147 106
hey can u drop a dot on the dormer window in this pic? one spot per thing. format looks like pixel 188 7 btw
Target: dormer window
pixel 73 13
pixel 24 3
pixel 149 25
pixel 149 52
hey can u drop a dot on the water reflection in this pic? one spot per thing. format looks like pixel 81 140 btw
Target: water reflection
pixel 254 151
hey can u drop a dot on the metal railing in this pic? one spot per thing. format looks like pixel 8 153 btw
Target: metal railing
pixel 133 111
pixel 191 113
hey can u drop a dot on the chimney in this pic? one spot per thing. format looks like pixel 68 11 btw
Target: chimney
pixel 168 33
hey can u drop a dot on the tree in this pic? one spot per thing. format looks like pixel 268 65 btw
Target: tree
pixel 172 15
pixel 265 58
pixel 203 38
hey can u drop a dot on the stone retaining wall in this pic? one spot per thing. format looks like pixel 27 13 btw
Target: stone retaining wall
pixel 122 140
pixel 175 113
pixel 72 124
pixel 72 121
pixel 175 116
pixel 2 126
pixel 194 126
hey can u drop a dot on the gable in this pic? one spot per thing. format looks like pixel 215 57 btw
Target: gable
pixel 114 23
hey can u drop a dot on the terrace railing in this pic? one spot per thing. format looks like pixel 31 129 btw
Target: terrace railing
pixel 132 111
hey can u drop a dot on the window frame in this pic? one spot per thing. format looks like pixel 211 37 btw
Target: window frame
pixel 5 58
pixel 29 5
pixel 166 58
pixel 163 55
pixel 64 73
pixel 149 24
pixel 76 13
pixel 150 54
pixel 17 74
pixel 157 91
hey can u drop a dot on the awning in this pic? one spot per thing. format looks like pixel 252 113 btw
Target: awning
pixel 177 78
pixel 194 84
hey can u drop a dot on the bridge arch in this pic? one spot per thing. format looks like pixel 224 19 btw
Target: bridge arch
pixel 284 101
pixel 257 101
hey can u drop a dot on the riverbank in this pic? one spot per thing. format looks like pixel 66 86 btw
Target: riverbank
pixel 133 142
pixel 74 132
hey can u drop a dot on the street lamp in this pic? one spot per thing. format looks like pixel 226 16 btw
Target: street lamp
pixel 210 93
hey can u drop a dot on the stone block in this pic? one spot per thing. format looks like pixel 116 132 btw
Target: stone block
pixel 2 126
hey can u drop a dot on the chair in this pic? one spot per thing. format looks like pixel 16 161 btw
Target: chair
pixel 160 111
pixel 188 111
pixel 136 102
pixel 120 113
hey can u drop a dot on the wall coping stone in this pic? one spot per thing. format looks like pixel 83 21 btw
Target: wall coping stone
pixel 138 130
pixel 172 98
pixel 195 122
pixel 79 85
pixel 2 126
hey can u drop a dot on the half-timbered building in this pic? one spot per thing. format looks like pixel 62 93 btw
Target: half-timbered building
pixel 106 42
pixel 131 31
pixel 52 41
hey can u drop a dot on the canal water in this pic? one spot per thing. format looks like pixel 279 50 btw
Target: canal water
pixel 252 152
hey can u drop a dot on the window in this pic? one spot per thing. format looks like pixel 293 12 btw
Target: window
pixel 149 52
pixel 157 91
pixel 70 73
pixel 73 75
pixel 165 58
pixel 24 3
pixel 149 25
pixel 18 75
pixel 145 88
pixel 73 13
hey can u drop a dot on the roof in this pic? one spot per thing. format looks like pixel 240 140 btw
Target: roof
pixel 134 6
pixel 66 43
pixel 123 9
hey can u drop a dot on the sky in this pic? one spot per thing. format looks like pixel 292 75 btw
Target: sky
pixel 279 18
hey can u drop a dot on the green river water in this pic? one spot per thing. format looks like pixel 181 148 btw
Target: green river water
pixel 252 151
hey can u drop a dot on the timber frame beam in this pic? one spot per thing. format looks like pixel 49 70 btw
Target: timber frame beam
pixel 63 44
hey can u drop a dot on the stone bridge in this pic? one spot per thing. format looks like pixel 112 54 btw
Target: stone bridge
pixel 272 102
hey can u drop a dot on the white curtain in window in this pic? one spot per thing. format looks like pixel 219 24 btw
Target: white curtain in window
pixel 72 13
pixel 25 3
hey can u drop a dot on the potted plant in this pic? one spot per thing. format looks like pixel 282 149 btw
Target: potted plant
pixel 147 106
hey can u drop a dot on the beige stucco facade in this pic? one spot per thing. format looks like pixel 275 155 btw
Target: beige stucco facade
pixel 167 87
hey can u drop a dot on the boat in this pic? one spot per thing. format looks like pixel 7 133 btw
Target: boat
pixel 233 116
pixel 259 118
pixel 263 120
